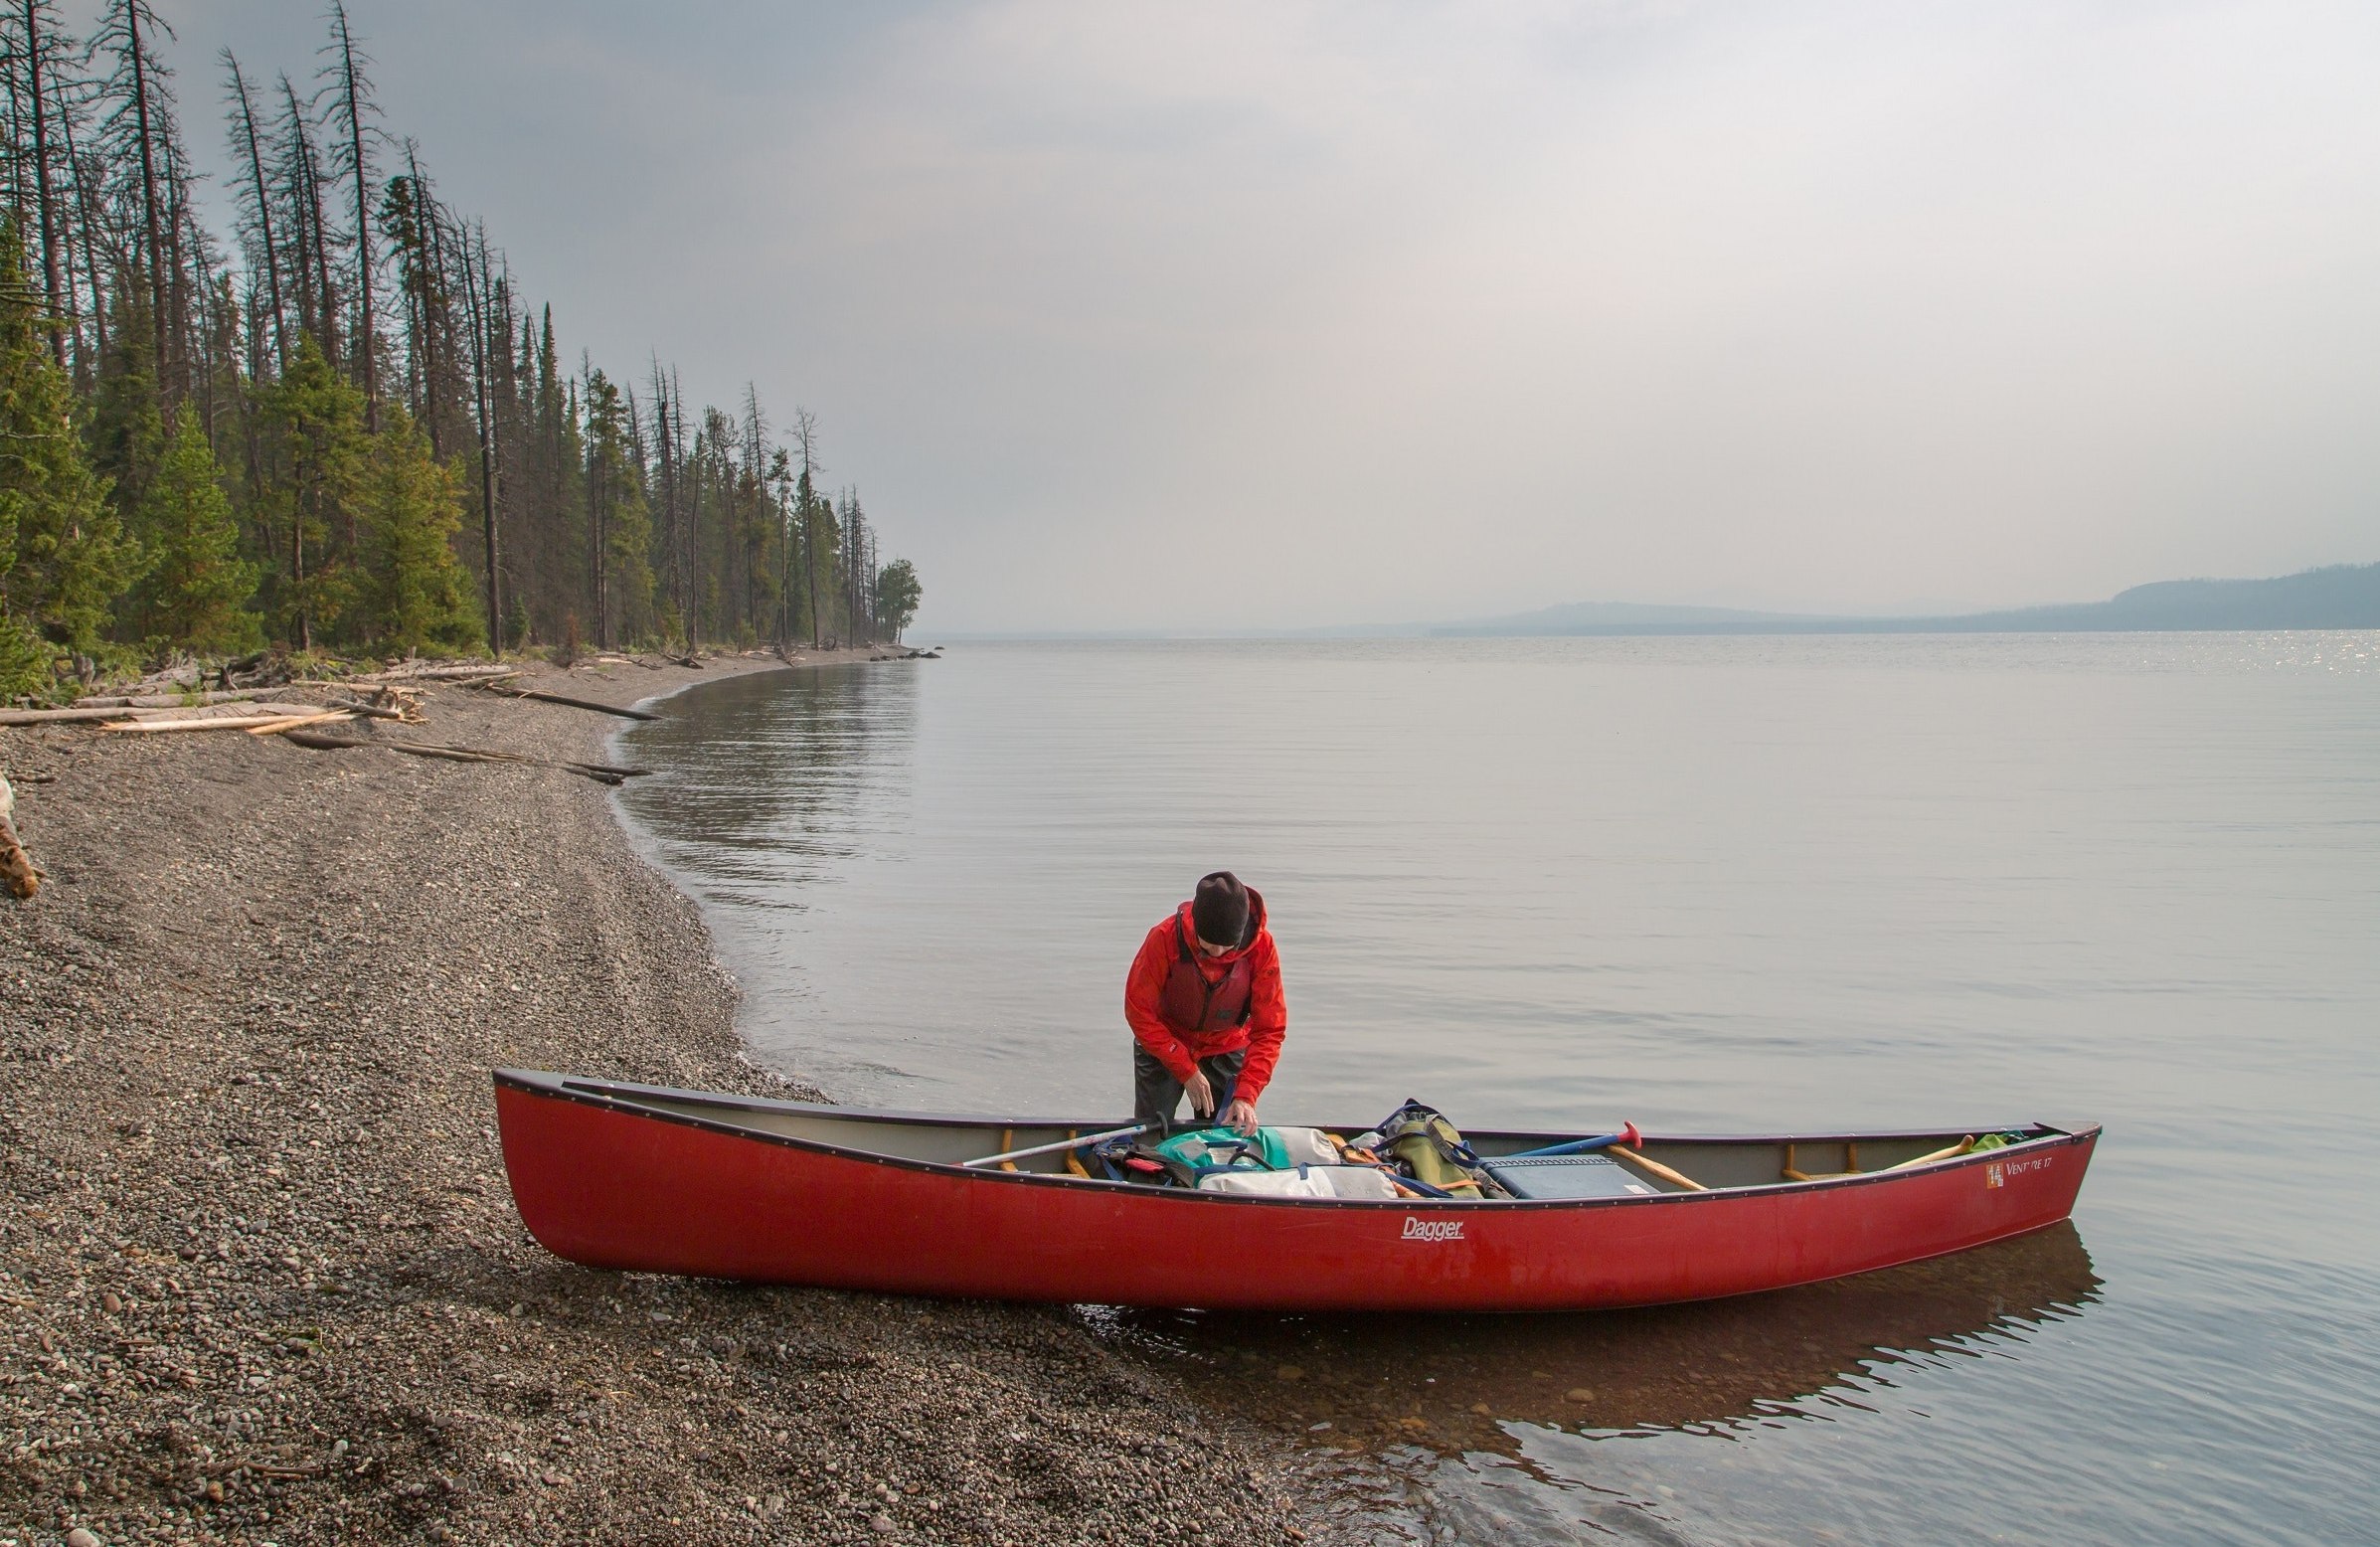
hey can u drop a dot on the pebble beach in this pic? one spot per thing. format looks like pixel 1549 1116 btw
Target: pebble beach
pixel 260 1277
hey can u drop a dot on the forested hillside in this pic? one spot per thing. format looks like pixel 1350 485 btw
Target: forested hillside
pixel 343 425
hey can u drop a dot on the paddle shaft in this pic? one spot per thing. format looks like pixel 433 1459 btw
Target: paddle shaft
pixel 1063 1144
pixel 1656 1169
pixel 1951 1153
pixel 1579 1146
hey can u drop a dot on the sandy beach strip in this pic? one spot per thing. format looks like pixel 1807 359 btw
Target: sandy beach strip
pixel 261 1277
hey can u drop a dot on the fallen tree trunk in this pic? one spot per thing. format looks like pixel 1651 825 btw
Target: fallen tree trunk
pixel 281 725
pixel 57 716
pixel 602 772
pixel 170 700
pixel 19 876
pixel 373 711
pixel 441 674
pixel 544 697
pixel 268 714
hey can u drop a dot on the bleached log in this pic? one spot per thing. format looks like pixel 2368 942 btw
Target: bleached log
pixel 441 674
pixel 57 716
pixel 19 876
pixel 214 722
pixel 374 711
pixel 169 700
pixel 280 724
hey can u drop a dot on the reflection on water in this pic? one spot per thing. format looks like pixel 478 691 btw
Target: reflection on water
pixel 1455 1384
pixel 753 799
pixel 1709 885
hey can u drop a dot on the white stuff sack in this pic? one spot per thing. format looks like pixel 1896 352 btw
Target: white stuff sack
pixel 1308 1147
pixel 1357 1181
pixel 1307 1181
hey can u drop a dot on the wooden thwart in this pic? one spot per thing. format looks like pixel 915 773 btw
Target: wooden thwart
pixel 1851 1166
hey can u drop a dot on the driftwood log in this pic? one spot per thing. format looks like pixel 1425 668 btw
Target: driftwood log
pixel 441 674
pixel 604 773
pixel 544 697
pixel 19 876
pixel 264 715
pixel 57 716
pixel 408 714
pixel 168 700
pixel 281 725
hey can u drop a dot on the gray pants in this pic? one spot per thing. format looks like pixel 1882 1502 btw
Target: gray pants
pixel 1157 1093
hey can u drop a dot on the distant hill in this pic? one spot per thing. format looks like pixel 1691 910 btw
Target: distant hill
pixel 1588 617
pixel 2340 595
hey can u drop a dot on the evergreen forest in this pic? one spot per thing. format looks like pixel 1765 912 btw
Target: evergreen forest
pixel 342 427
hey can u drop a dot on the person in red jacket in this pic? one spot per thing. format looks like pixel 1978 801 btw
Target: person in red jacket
pixel 1205 1005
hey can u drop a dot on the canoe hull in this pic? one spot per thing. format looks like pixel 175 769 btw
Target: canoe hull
pixel 614 1187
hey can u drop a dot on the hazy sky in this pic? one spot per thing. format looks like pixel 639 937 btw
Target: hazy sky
pixel 1214 314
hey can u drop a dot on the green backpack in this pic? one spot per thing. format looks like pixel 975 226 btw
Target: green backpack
pixel 1195 1153
pixel 1431 1147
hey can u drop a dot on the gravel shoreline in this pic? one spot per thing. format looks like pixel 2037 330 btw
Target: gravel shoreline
pixel 261 1277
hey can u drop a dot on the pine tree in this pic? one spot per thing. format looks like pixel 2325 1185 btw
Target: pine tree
pixel 315 418
pixel 63 557
pixel 127 412
pixel 197 592
pixel 620 527
pixel 419 596
pixel 897 596
pixel 210 376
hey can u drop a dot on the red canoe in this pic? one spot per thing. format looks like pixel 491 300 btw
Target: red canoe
pixel 653 1180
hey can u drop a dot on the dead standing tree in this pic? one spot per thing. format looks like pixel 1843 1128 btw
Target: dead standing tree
pixel 140 108
pixel 805 495
pixel 350 93
pixel 302 187
pixel 257 197
pixel 41 41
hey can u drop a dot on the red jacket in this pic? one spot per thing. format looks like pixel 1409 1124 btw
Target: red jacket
pixel 1180 1047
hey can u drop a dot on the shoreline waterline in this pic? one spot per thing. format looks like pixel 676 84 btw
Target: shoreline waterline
pixel 262 1276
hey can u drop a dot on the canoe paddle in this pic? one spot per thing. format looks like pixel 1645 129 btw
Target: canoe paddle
pixel 1628 1134
pixel 1063 1144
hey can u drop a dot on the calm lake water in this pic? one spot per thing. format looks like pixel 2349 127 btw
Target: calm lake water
pixel 1701 884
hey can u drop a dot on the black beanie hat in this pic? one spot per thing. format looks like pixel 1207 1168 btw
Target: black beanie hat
pixel 1219 909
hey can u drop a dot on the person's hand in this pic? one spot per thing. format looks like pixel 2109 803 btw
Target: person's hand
pixel 1201 1093
pixel 1240 1117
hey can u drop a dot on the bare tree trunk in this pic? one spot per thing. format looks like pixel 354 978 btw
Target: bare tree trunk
pixel 487 454
pixel 90 250
pixel 432 260
pixel 350 91
pixel 308 192
pixel 148 182
pixel 805 442
pixel 256 172
pixel 34 48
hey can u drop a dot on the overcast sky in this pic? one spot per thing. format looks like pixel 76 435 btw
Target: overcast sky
pixel 1216 315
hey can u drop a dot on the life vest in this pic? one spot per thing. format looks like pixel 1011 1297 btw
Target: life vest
pixel 1191 1003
